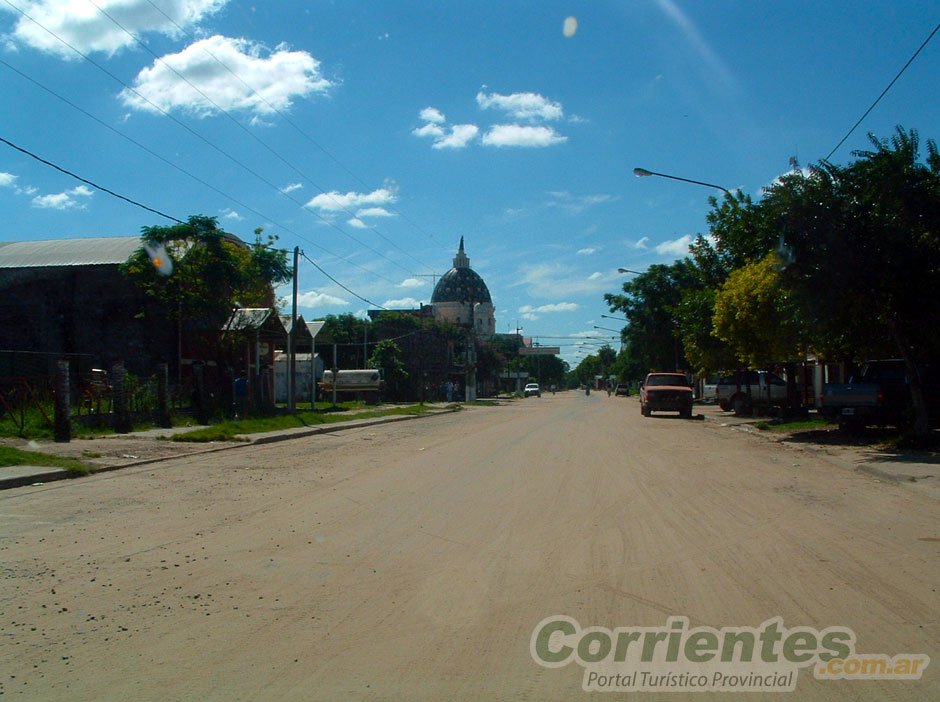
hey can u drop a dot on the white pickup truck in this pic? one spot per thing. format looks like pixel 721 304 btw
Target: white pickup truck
pixel 751 388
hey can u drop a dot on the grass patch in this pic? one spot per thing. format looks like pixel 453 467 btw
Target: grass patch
pixel 482 403
pixel 910 441
pixel 793 424
pixel 10 456
pixel 234 430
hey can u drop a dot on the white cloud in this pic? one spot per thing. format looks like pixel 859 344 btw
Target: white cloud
pixel 275 79
pixel 433 131
pixel 313 299
pixel 596 275
pixel 548 309
pixel 523 106
pixel 676 247
pixel 7 180
pixel 551 280
pixel 641 244
pixel 233 215
pixel 357 223
pixel 412 283
pixel 65 200
pixel 460 135
pixel 432 114
pixel 517 135
pixel 291 188
pixel 403 303
pixel 337 202
pixel 456 136
pixel 88 29
pixel 587 251
pixel 374 212
pixel 575 203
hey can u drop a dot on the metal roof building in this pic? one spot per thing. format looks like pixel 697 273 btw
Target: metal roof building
pixel 97 251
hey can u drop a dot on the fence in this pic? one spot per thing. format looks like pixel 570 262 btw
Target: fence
pixel 106 395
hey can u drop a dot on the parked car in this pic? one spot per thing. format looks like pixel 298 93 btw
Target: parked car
pixel 533 389
pixel 710 388
pixel 752 388
pixel 879 394
pixel 666 392
pixel 622 389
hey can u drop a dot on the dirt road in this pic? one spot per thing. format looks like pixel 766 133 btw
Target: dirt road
pixel 414 561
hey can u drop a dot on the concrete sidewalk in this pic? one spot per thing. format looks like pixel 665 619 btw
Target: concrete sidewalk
pixel 116 451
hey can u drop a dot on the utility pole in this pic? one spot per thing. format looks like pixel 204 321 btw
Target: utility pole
pixel 291 344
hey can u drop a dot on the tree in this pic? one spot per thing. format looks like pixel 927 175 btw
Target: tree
pixel 428 348
pixel 756 315
pixel 650 302
pixel 349 334
pixel 864 243
pixel 387 356
pixel 213 272
pixel 597 364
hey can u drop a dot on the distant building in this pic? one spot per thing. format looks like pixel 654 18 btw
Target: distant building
pixel 460 297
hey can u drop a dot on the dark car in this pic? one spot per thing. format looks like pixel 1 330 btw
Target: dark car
pixel 666 392
pixel 622 389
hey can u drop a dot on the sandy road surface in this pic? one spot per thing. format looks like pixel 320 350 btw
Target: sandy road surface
pixel 413 561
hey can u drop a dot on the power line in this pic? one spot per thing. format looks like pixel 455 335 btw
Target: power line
pixel 251 134
pixel 92 184
pixel 182 170
pixel 296 128
pixel 367 301
pixel 883 92
pixel 162 214
pixel 197 134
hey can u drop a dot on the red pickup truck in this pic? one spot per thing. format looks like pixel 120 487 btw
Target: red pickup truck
pixel 666 392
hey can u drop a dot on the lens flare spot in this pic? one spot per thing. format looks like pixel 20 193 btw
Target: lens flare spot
pixel 570 26
pixel 160 259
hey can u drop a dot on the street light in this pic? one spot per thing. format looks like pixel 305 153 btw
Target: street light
pixel 622 319
pixel 642 173
pixel 627 270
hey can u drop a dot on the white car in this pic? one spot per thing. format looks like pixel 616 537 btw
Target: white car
pixel 533 389
pixel 751 388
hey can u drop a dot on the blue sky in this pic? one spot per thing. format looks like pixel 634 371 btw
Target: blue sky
pixel 375 134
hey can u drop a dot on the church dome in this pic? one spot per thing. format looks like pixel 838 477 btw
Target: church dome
pixel 461 285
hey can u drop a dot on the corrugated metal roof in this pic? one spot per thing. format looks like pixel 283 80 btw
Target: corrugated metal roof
pixel 254 319
pixel 93 251
pixel 97 251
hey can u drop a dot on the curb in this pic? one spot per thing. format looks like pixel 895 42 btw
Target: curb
pixel 271 438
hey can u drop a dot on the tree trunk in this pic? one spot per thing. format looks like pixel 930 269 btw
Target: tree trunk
pixel 921 420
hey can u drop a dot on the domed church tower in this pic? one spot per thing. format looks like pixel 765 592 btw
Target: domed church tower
pixel 461 297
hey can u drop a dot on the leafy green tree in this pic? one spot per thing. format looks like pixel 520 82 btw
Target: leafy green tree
pixel 863 250
pixel 428 349
pixel 212 272
pixel 597 364
pixel 650 302
pixel 387 356
pixel 757 316
pixel 349 333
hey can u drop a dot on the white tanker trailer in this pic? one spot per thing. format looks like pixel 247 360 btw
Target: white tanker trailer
pixel 364 384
